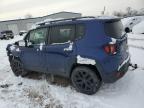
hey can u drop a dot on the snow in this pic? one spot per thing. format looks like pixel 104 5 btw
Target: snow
pixel 127 92
pixel 106 17
pixel 132 21
pixel 82 60
pixel 70 48
pixel 137 56
pixel 113 41
pixel 139 28
pixel 41 46
pixel 136 37
pixel 136 41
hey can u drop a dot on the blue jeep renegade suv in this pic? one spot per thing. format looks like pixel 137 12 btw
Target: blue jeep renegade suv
pixel 87 50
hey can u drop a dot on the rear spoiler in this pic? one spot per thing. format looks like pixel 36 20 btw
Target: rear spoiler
pixel 113 20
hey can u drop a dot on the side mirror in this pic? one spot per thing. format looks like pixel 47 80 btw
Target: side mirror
pixel 22 43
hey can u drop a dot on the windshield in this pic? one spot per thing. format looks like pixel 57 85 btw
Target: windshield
pixel 114 29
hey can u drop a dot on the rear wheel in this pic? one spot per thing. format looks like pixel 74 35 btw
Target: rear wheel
pixel 17 67
pixel 85 80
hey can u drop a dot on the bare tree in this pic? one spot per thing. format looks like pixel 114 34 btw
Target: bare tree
pixel 129 11
pixel 119 14
pixel 141 11
pixel 103 12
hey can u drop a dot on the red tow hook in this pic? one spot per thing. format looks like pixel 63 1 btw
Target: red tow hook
pixel 134 66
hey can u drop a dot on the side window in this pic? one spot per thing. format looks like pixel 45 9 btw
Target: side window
pixel 62 34
pixel 38 36
pixel 80 30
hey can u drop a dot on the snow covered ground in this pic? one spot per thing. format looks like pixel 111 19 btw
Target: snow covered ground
pixel 139 28
pixel 136 41
pixel 17 92
pixel 136 24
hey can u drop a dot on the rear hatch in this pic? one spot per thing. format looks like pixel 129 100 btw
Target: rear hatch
pixel 114 29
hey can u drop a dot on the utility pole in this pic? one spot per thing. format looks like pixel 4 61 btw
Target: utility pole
pixel 103 12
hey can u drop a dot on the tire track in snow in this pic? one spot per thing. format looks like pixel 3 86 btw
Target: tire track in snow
pixel 134 39
pixel 134 46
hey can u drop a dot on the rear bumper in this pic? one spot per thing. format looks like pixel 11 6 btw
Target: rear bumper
pixel 114 76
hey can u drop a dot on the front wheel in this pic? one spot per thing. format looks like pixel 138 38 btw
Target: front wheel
pixel 85 80
pixel 17 67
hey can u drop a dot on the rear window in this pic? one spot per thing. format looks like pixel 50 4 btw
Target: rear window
pixel 114 29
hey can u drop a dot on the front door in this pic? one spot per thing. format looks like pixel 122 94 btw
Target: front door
pixel 60 50
pixel 33 55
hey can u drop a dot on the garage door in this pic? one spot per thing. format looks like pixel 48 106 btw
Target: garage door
pixel 14 28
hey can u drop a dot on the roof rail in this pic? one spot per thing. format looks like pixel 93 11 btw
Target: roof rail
pixel 61 20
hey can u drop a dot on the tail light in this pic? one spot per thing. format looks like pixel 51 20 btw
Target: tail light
pixel 110 49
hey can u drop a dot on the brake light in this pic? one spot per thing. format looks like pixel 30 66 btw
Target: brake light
pixel 110 49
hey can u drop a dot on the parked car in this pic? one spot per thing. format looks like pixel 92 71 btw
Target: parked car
pixel 6 34
pixel 22 32
pixel 87 50
pixel 130 22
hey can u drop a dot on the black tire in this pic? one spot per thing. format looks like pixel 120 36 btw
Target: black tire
pixel 85 80
pixel 17 67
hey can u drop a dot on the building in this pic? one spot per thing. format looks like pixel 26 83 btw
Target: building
pixel 25 24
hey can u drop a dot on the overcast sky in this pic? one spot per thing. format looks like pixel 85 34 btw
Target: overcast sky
pixel 12 9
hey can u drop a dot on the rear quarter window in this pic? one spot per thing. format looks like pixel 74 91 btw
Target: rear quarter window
pixel 114 29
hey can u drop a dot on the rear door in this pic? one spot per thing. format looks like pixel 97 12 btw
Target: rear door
pixel 61 48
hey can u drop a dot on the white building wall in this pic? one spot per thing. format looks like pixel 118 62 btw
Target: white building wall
pixel 24 24
pixel 14 28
